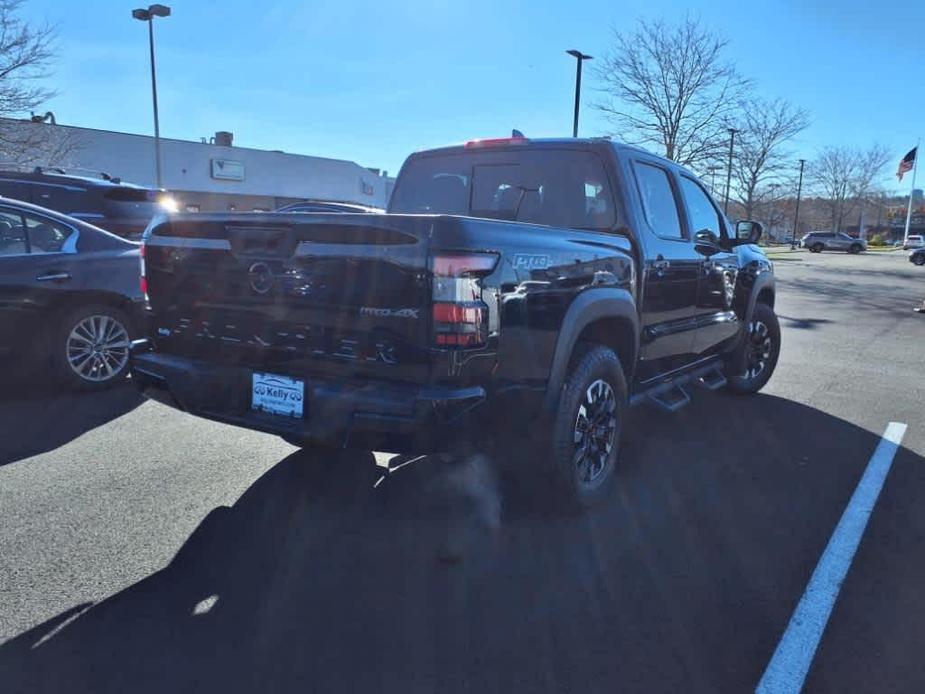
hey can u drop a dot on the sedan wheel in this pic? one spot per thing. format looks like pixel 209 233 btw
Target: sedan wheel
pixel 94 347
pixel 97 348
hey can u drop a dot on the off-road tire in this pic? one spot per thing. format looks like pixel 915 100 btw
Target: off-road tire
pixel 593 399
pixel 752 363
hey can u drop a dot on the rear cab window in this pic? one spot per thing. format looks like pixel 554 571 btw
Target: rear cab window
pixel 554 187
pixel 659 203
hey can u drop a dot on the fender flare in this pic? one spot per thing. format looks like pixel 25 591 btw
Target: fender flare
pixel 763 281
pixel 589 306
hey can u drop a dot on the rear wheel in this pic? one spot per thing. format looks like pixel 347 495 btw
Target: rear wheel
pixel 90 347
pixel 751 365
pixel 585 438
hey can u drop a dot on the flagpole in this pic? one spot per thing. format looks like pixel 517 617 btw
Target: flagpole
pixel 915 166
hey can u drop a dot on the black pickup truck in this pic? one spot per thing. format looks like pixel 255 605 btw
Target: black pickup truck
pixel 516 287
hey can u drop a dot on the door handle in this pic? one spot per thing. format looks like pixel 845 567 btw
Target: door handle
pixel 54 277
pixel 660 265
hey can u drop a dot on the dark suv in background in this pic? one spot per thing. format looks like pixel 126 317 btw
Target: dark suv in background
pixel 104 201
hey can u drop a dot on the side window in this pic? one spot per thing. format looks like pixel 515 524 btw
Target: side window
pixel 16 189
pixel 12 235
pixel 46 236
pixel 700 210
pixel 62 198
pixel 658 200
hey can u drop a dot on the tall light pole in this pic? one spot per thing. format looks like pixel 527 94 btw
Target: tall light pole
pixel 796 214
pixel 732 136
pixel 148 16
pixel 773 188
pixel 712 170
pixel 580 58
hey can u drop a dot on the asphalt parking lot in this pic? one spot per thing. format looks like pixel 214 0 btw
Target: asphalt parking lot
pixel 144 550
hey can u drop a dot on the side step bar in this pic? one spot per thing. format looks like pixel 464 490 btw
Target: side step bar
pixel 713 379
pixel 671 399
pixel 670 395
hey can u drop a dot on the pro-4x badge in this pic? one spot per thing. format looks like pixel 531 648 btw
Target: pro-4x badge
pixel 390 312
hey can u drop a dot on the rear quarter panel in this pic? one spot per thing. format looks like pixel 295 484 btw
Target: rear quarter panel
pixel 541 270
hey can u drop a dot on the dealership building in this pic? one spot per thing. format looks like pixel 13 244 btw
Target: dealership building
pixel 212 175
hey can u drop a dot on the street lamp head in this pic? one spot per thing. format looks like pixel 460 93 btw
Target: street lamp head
pixel 152 12
pixel 579 55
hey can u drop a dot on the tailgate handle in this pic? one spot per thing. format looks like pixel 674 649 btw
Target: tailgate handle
pixel 54 277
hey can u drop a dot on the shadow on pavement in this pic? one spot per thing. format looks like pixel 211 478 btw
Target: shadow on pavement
pixel 37 415
pixel 431 581
pixel 803 323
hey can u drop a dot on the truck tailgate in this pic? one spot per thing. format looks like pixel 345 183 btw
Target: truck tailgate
pixel 346 294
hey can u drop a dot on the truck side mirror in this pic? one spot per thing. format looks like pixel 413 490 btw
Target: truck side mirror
pixel 706 237
pixel 748 231
pixel 706 242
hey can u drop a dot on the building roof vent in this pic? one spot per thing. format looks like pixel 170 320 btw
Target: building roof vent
pixel 223 138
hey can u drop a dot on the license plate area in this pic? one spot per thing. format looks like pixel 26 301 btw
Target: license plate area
pixel 277 395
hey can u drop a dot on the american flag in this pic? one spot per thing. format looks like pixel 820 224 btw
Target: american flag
pixel 905 165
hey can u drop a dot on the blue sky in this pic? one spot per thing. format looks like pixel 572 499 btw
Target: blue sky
pixel 373 81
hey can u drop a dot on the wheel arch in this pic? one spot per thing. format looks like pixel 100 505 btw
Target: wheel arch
pixel 606 316
pixel 99 298
pixel 763 291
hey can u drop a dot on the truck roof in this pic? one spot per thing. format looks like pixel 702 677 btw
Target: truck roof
pixel 533 142
pixel 541 143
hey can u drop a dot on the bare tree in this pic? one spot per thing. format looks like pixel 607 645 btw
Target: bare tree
pixel 669 86
pixel 844 176
pixel 26 52
pixel 760 159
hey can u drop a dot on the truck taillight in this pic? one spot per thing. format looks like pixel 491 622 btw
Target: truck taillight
pixel 460 317
pixel 142 277
pixel 460 325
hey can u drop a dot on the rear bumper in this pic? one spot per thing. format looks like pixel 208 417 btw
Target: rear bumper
pixel 368 415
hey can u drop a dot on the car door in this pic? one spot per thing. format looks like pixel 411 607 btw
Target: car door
pixel 670 271
pixel 717 322
pixel 36 258
pixel 845 241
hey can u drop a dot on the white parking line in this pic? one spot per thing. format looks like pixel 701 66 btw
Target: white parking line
pixel 787 670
